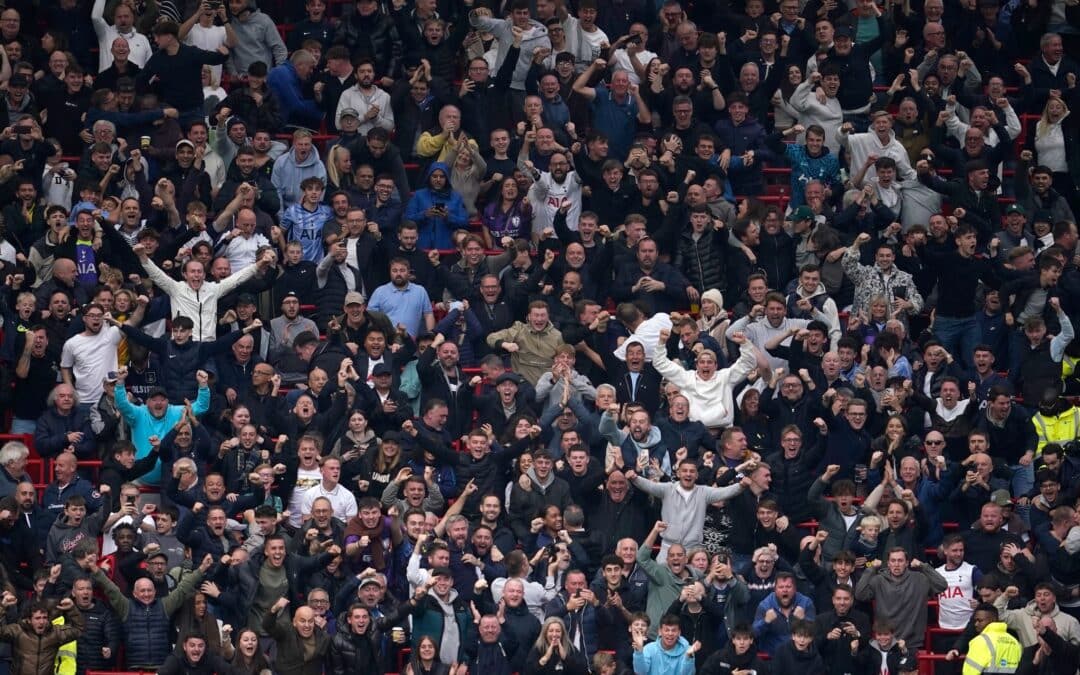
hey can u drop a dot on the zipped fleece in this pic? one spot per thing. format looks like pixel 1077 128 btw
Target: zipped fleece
pixel 198 305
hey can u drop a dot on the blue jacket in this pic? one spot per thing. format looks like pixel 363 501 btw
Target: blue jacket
pixel 750 135
pixel 54 497
pixel 50 436
pixel 295 109
pixel 586 616
pixel 144 425
pixel 771 635
pixel 180 362
pixel 435 231
pixel 655 660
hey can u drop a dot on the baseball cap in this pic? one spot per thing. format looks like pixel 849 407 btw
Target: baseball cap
pixel 381 369
pixel 1014 208
pixel 245 299
pixel 19 80
pixel 156 391
pixel 1001 498
pixel 354 298
pixel 368 581
pixel 842 31
pixel 441 572
pixel 157 554
pixel 800 213
pixel 392 437
pixel 350 112
pixel 290 294
pixel 184 141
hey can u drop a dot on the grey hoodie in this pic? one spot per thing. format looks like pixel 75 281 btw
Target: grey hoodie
pixel 901 600
pixel 257 39
pixel 535 37
pixel 64 537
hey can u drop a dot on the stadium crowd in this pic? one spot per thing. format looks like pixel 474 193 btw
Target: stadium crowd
pixel 449 337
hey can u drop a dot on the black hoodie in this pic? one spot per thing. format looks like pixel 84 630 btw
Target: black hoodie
pixel 726 660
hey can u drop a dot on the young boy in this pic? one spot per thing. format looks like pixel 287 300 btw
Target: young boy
pixel 883 653
pixel 798 654
pixel 610 585
pixel 164 535
pixel 867 548
pixel 739 654
pixel 74 526
pixel 303 222
pixel 639 633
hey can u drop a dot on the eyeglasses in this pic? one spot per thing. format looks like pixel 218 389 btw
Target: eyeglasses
pixel 934 442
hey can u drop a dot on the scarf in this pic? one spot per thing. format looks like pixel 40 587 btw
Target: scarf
pixel 356 528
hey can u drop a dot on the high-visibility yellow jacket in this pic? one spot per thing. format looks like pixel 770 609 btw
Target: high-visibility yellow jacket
pixel 1062 428
pixel 65 658
pixel 993 651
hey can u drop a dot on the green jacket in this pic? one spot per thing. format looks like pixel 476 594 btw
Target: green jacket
pixel 171 602
pixel 664 586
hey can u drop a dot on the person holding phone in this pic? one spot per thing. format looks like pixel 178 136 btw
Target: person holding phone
pixel 437 209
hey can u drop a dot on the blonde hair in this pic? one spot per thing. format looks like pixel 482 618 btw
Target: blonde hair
pixel 764 551
pixel 213 80
pixel 871 521
pixel 1043 126
pixel 332 172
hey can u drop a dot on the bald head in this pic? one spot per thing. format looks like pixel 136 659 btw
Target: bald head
pixel 64 269
pixel 304 622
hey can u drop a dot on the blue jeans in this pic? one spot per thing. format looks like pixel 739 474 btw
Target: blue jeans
pixel 959 336
pixel 1023 481
pixel 19 426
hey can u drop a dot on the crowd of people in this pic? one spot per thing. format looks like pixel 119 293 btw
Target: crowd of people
pixel 450 337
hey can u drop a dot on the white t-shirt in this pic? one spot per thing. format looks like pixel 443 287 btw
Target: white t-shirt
pixel 209 39
pixel 342 501
pixel 241 251
pixel 305 480
pixel 595 40
pixel 622 62
pixel 91 358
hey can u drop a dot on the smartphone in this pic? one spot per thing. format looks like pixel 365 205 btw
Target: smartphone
pixel 111 375
pixel 634 40
pixel 900 293
pixel 130 499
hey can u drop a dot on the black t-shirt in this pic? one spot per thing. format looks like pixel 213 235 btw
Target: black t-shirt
pixel 30 393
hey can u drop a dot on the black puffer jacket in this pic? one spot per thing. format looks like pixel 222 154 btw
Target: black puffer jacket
pixel 702 261
pixel 268 199
pixel 792 478
pixel 373 36
pixel 352 653
pixel 102 629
